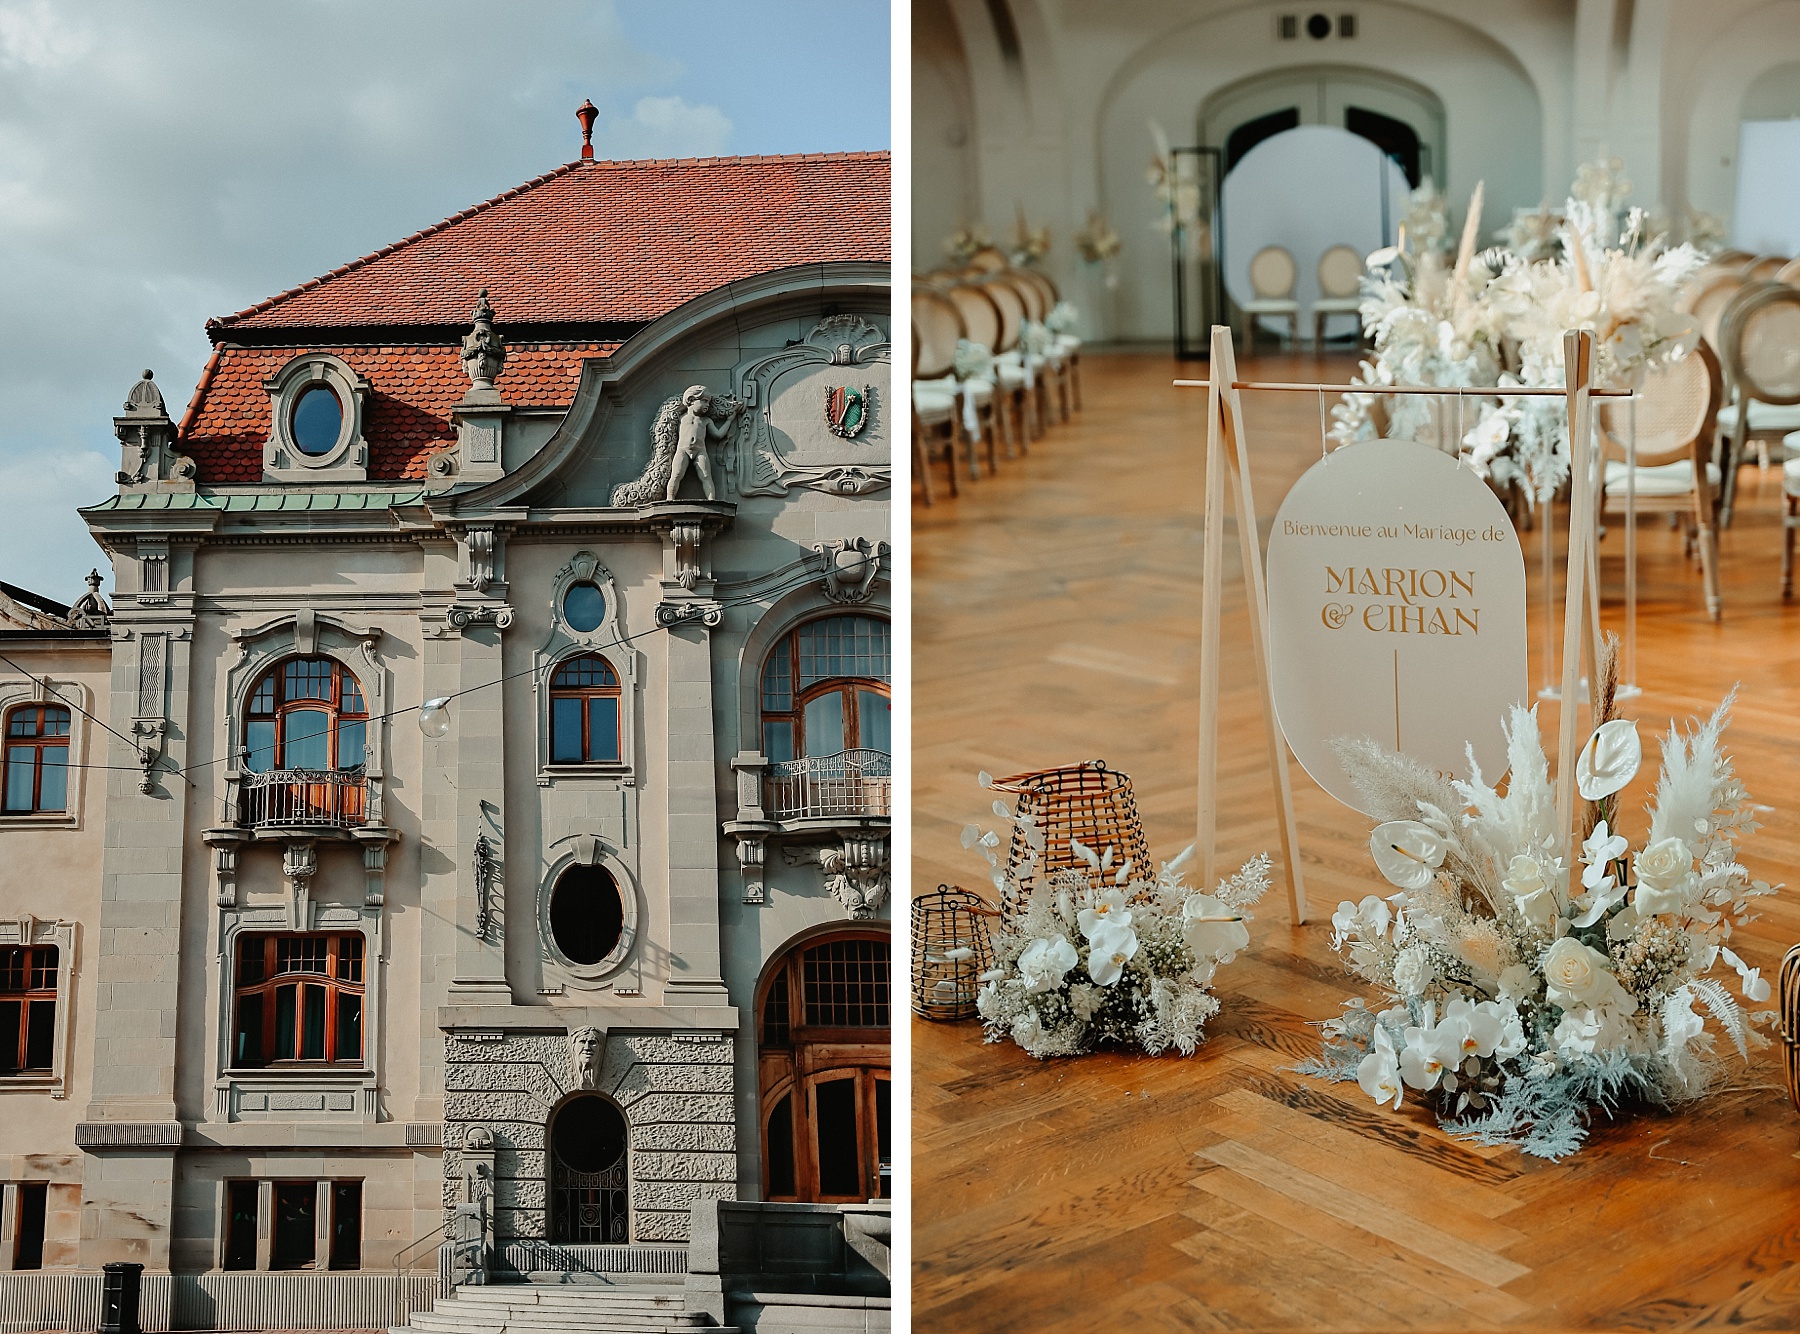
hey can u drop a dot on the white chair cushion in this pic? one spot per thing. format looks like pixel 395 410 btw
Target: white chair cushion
pixel 946 385
pixel 1337 305
pixel 1790 471
pixel 934 405
pixel 1068 343
pixel 1763 416
pixel 981 388
pixel 1668 479
pixel 1270 306
pixel 1010 373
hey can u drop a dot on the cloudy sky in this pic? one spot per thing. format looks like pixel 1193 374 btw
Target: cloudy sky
pixel 163 163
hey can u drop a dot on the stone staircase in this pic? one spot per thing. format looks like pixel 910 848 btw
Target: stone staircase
pixel 632 1307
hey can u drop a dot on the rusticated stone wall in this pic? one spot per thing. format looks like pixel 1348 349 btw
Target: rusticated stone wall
pixel 674 1089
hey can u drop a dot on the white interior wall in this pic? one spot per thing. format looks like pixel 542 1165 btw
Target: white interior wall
pixel 1727 57
pixel 943 133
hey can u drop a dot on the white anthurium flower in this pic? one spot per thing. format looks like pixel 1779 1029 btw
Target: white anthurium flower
pixel 1610 759
pixel 1379 1072
pixel 1600 850
pixel 1665 879
pixel 1045 962
pixel 1407 852
pixel 1109 950
pixel 1212 930
pixel 1112 908
pixel 1755 986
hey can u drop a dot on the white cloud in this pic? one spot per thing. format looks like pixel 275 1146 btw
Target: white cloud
pixel 668 127
pixel 33 36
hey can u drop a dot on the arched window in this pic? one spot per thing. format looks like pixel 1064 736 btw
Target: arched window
pixel 584 712
pixel 589 1173
pixel 822 1034
pixel 37 759
pixel 306 713
pixel 825 690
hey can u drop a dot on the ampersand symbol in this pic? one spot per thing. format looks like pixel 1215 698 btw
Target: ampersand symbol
pixel 1335 614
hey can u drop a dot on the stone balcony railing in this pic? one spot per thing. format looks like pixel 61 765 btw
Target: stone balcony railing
pixel 304 799
pixel 850 784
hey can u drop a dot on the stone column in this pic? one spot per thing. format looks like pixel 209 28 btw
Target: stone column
pixel 693 811
pixel 131 1131
pixel 478 735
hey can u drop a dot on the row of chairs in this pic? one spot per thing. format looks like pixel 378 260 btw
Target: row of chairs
pixel 1748 307
pixel 988 370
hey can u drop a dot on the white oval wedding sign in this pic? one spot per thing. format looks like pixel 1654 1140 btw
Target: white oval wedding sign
pixel 1396 592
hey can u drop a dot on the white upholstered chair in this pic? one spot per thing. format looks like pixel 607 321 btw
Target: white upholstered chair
pixel 1675 474
pixel 1340 288
pixel 1272 276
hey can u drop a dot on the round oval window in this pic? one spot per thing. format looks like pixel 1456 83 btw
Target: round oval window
pixel 318 418
pixel 587 916
pixel 589 1134
pixel 584 607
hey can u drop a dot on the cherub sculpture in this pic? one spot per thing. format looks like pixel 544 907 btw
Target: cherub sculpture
pixel 698 426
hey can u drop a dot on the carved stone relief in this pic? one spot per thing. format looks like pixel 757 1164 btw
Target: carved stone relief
pixel 822 420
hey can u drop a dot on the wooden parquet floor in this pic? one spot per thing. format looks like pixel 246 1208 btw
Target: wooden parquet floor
pixel 1055 618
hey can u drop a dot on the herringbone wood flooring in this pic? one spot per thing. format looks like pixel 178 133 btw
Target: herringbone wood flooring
pixel 1055 615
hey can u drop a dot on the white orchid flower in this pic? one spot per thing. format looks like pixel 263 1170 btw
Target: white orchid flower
pixel 1755 986
pixel 1430 1051
pixel 1517 982
pixel 1109 950
pixel 1112 908
pixel 1600 850
pixel 1379 1073
pixel 1610 759
pixel 1407 852
pixel 1480 1026
pixel 1045 962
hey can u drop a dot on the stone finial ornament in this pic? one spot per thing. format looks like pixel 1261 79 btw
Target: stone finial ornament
pixel 483 350
pixel 145 399
pixel 91 611
pixel 587 113
pixel 585 1045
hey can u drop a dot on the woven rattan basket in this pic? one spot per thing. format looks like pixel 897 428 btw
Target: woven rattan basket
pixel 948 921
pixel 1790 1021
pixel 1087 802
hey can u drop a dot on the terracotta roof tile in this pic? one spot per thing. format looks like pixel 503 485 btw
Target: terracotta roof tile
pixel 604 242
pixel 412 390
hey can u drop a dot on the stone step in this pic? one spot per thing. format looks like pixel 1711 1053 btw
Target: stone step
pixel 519 1308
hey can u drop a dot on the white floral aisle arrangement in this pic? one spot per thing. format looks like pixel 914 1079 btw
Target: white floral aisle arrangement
pixel 1107 957
pixel 1522 994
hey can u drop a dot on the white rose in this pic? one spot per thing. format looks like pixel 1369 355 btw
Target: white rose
pixel 1531 890
pixel 1572 973
pixel 1664 877
pixel 1412 970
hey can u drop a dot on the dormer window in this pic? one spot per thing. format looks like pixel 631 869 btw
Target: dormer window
pixel 316 405
pixel 318 420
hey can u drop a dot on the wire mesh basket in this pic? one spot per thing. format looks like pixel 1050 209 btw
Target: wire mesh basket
pixel 950 951
pixel 1086 802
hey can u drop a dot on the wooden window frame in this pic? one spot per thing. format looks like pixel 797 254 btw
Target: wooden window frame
pixel 799 696
pixel 814 1054
pixel 612 688
pixel 271 981
pixel 38 742
pixel 280 706
pixel 29 995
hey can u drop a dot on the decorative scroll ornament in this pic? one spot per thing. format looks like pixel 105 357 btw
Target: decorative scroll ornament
pixel 481 558
pixel 709 614
pixel 851 566
pixel 498 615
pixel 585 1046
pixel 847 409
pixel 857 874
pixel 487 866
pixel 149 733
pixel 483 350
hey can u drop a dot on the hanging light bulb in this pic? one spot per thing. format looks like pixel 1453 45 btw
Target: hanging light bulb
pixel 434 716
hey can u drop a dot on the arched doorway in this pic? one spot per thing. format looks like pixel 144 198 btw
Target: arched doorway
pixel 1402 119
pixel 590 1188
pixel 824 1070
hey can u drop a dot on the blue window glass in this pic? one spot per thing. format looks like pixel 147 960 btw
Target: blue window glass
pixel 778 740
pixel 823 725
pixel 21 767
pixel 260 738
pixel 872 719
pixel 53 784
pixel 318 419
pixel 603 728
pixel 565 730
pixel 350 744
pixel 584 607
pixel 306 739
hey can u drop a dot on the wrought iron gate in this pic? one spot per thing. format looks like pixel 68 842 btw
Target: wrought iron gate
pixel 590 1208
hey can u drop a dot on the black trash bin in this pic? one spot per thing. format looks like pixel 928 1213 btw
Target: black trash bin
pixel 119 1298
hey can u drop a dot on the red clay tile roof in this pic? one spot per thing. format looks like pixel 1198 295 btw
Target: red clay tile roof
pixel 603 242
pixel 412 390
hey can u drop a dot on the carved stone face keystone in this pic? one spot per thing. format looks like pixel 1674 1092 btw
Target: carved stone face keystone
pixel 585 1045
